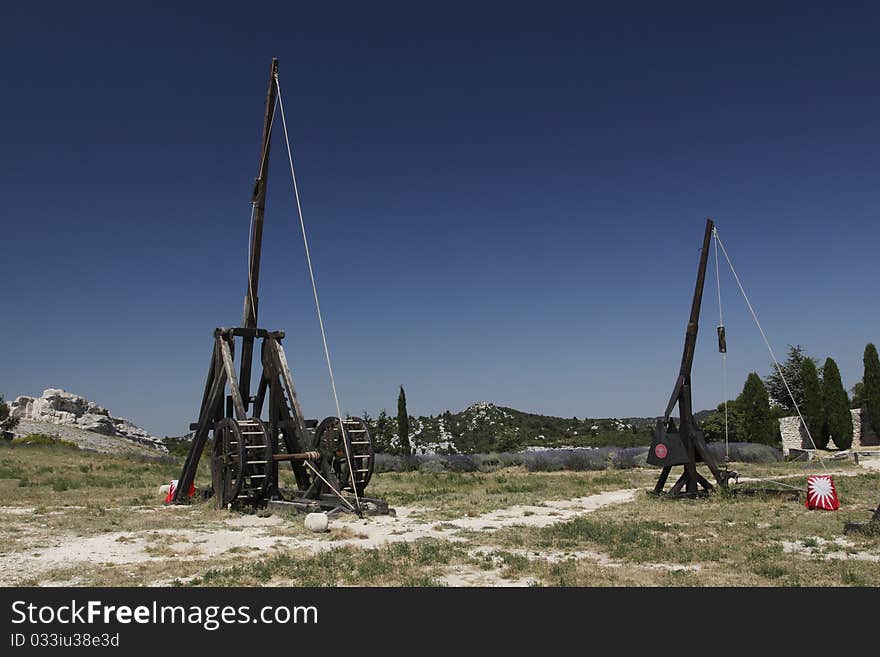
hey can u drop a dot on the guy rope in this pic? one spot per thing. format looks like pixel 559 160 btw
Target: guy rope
pixel 723 349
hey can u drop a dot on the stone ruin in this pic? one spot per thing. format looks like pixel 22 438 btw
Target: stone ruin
pixel 794 436
pixel 64 408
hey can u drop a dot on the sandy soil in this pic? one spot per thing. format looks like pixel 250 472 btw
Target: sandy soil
pixel 45 551
pixel 870 464
pixel 252 532
pixel 838 549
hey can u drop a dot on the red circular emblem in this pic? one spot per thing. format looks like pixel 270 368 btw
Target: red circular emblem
pixel 661 451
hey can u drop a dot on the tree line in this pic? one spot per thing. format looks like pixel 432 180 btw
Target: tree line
pixel 799 384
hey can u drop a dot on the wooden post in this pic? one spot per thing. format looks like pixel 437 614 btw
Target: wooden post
pixel 251 300
pixel 690 436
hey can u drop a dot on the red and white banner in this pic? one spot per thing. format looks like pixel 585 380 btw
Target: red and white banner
pixel 821 493
pixel 173 488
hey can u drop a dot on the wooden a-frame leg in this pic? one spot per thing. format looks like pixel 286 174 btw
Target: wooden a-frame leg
pixel 682 480
pixel 661 482
pixel 704 483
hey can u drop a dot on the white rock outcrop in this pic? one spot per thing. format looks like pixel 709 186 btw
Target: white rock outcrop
pixel 64 408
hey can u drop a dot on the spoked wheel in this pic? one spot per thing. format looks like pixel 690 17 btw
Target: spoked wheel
pixel 226 461
pixel 241 466
pixel 329 442
pixel 257 474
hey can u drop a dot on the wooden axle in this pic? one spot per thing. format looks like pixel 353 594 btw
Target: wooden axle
pixel 300 456
pixel 297 456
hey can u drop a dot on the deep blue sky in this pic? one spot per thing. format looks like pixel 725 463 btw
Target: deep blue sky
pixel 505 202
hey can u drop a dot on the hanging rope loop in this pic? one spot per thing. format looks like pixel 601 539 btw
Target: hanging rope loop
pixel 722 349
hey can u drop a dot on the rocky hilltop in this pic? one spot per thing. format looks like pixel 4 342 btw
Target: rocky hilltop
pixel 61 409
pixel 485 427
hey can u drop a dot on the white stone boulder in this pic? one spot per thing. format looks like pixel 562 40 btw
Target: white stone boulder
pixel 317 522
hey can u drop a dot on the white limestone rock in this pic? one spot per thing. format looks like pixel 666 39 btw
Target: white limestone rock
pixel 317 522
pixel 60 407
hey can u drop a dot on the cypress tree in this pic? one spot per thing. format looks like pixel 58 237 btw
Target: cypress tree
pixel 403 423
pixel 838 424
pixel 812 410
pixel 871 386
pixel 858 391
pixel 758 423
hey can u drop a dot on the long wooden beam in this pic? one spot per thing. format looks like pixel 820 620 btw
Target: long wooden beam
pixel 251 300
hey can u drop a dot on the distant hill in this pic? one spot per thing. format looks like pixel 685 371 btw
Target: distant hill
pixel 485 427
pixel 75 419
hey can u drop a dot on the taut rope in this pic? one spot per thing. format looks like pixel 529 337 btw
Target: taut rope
pixel 318 305
pixel 769 348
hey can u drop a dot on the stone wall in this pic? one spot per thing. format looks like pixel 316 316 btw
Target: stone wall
pixel 794 436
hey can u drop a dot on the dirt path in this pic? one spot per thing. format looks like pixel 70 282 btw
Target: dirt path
pixel 870 464
pixel 771 478
pixel 44 551
pixel 266 534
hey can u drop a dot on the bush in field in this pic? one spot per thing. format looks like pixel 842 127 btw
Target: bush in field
pixel 431 466
pixel 43 439
pixel 713 425
pixel 393 463
pixel 631 457
pixel 512 459
pixel 577 460
pixel 557 460
pixel 460 463
pixel 746 452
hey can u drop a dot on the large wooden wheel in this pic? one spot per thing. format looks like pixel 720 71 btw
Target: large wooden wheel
pixel 329 442
pixel 226 460
pixel 241 464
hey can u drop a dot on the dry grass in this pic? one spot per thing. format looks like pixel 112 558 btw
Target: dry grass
pixel 55 495
pixel 453 495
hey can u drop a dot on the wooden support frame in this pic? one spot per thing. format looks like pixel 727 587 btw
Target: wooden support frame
pixel 284 420
pixel 245 460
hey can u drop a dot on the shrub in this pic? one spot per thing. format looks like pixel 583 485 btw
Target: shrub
pixel 7 423
pixel 387 463
pixel 43 439
pixel 487 462
pixel 431 467
pixel 631 457
pixel 746 452
pixel 556 460
pixel 459 463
